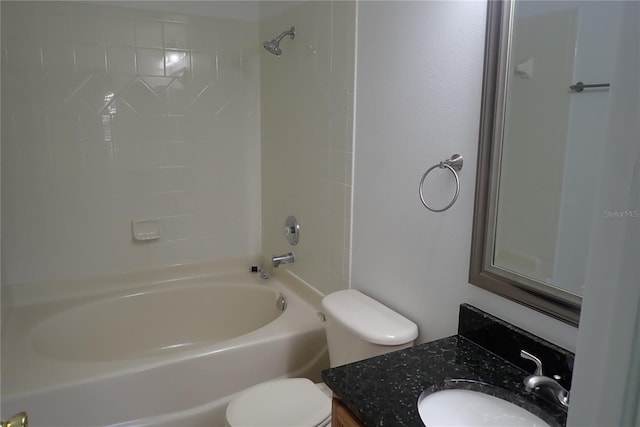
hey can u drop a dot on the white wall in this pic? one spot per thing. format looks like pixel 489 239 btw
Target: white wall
pixel 114 114
pixel 307 139
pixel 418 101
pixel 604 369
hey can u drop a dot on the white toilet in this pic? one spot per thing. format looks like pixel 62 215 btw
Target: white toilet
pixel 357 327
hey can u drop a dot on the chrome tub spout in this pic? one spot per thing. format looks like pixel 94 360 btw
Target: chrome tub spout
pixel 282 259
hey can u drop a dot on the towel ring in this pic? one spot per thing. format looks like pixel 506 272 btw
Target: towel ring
pixel 454 164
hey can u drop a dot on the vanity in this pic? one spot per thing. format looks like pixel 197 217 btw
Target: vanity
pixel 484 357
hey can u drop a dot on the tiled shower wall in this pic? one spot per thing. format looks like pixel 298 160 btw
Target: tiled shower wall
pixel 111 115
pixel 307 148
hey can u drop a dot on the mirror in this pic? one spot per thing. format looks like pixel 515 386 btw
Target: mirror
pixel 548 65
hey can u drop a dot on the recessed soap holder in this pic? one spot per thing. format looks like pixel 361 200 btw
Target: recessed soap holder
pixel 145 230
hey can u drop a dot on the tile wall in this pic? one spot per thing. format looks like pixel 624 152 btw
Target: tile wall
pixel 307 148
pixel 111 115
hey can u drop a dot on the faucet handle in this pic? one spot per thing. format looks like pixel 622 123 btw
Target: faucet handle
pixel 526 355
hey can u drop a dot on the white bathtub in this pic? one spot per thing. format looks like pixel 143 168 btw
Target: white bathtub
pixel 168 352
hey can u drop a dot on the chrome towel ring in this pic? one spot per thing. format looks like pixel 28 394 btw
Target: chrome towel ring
pixel 454 164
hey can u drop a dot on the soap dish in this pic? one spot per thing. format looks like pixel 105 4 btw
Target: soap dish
pixel 144 230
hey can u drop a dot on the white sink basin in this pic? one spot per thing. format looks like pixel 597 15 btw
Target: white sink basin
pixel 471 408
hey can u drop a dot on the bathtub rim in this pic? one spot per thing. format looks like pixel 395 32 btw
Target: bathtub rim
pixel 21 294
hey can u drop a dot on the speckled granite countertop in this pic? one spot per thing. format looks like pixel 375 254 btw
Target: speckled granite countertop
pixel 384 390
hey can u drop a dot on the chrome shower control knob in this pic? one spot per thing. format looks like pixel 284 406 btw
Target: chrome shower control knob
pixel 291 230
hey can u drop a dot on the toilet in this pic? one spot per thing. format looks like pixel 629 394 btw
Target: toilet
pixel 357 327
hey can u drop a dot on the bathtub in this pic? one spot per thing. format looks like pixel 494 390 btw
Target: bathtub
pixel 153 350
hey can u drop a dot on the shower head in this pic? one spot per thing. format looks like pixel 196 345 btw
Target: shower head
pixel 273 46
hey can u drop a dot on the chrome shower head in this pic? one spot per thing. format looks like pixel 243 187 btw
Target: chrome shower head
pixel 273 46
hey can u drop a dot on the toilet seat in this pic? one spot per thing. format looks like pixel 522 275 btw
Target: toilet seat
pixel 294 402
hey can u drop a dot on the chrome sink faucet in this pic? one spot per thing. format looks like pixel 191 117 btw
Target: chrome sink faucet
pixel 282 259
pixel 546 387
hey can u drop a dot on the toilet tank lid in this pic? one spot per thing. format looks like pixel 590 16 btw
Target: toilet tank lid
pixel 369 319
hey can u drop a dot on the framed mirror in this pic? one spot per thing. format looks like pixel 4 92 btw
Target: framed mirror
pixel 548 65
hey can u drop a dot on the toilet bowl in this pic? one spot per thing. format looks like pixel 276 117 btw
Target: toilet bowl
pixel 357 327
pixel 290 402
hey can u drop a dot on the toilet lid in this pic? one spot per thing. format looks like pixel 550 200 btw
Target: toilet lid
pixel 288 402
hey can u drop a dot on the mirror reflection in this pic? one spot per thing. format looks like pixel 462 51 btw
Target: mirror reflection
pixel 550 73
pixel 552 134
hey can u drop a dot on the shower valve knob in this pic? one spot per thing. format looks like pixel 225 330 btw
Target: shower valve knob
pixel 291 230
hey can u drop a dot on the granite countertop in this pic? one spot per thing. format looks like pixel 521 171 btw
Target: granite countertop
pixel 384 390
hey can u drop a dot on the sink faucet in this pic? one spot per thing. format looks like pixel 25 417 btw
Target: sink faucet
pixel 547 387
pixel 282 259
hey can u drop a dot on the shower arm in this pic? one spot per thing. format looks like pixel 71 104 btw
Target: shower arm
pixel 291 32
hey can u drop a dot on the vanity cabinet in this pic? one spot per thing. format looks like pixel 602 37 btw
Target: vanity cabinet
pixel 341 416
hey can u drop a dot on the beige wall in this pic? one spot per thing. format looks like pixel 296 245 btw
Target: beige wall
pixel 307 151
pixel 111 115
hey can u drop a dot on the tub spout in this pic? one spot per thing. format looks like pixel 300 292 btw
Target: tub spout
pixel 282 259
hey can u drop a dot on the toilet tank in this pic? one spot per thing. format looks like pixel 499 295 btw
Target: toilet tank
pixel 359 327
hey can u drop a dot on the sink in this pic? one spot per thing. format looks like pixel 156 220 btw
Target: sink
pixel 457 407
